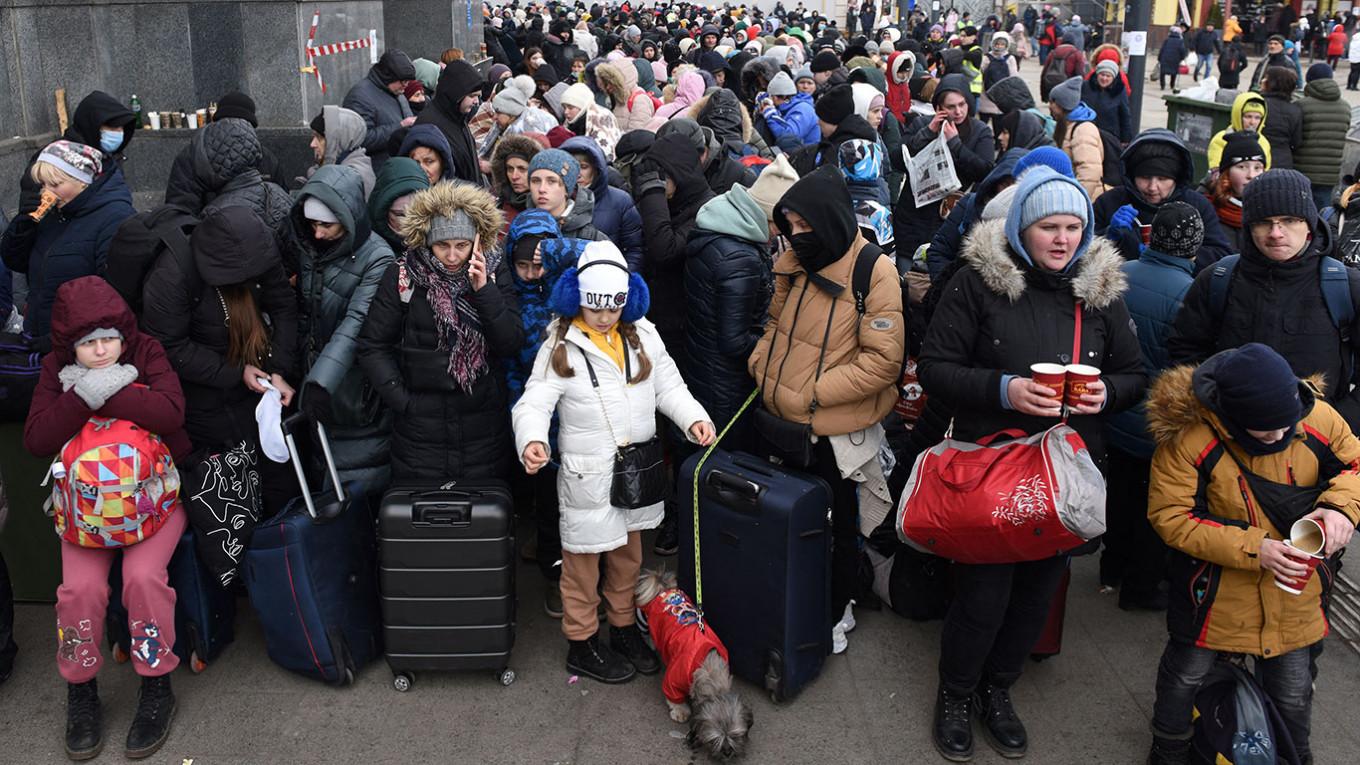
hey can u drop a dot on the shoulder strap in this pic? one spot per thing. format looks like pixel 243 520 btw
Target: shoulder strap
pixel 1220 280
pixel 1336 291
pixel 863 274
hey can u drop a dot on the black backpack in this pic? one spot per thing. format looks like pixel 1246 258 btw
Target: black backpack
pixel 138 244
pixel 1237 722
pixel 859 285
pixel 1055 73
pixel 997 70
pixel 1111 168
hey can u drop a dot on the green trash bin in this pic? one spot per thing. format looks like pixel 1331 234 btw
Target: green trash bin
pixel 29 540
pixel 1196 122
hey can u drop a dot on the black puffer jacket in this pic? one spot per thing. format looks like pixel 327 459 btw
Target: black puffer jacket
pixel 666 225
pixel 457 80
pixel 1001 314
pixel 184 310
pixel 729 281
pixel 1281 305
pixel 219 169
pixel 442 432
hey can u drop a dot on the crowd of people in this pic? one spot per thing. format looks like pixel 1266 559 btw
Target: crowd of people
pixel 507 272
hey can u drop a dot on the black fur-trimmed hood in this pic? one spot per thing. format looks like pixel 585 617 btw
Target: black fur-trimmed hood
pixel 1098 281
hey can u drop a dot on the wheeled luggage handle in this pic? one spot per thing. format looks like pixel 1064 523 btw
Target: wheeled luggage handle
pixel 734 491
pixel 290 425
pixel 441 513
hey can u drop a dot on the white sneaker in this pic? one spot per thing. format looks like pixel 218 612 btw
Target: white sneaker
pixel 847 622
pixel 838 640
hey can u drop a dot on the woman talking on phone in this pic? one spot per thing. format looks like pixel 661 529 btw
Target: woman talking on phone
pixel 971 147
pixel 443 316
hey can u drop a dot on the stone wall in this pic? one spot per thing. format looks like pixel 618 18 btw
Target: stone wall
pixel 180 55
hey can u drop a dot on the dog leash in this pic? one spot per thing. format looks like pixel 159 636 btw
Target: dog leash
pixel 698 569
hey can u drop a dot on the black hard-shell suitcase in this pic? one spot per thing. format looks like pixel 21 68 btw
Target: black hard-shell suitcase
pixel 447 579
pixel 765 543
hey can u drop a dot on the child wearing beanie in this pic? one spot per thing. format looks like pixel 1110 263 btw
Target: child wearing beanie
pixel 605 372
pixel 1245 452
pixel 1243 156
pixel 110 406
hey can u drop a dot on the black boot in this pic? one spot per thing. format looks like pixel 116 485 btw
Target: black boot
pixel 597 661
pixel 151 725
pixel 628 642
pixel 1169 751
pixel 84 728
pixel 953 726
pixel 1005 732
pixel 667 537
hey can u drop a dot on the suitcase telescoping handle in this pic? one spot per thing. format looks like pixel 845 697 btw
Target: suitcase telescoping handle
pixel 290 426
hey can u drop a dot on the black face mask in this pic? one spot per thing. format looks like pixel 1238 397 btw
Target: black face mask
pixel 810 251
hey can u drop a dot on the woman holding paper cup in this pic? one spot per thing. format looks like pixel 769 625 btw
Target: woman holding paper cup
pixel 1253 485
pixel 1014 306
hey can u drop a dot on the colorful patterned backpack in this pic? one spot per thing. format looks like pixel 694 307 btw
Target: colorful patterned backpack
pixel 115 484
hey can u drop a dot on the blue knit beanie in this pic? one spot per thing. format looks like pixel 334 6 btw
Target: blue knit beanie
pixel 1257 389
pixel 1042 193
pixel 559 162
pixel 1046 156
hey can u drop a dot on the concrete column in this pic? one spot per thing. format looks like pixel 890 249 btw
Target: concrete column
pixel 425 28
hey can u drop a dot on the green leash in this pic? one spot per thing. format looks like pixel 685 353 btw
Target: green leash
pixel 698 569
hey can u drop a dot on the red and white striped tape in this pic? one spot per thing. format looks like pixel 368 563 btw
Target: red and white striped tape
pixel 314 51
pixel 340 47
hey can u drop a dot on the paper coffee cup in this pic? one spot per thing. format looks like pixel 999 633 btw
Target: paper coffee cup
pixel 1079 376
pixel 1145 233
pixel 1306 535
pixel 1051 376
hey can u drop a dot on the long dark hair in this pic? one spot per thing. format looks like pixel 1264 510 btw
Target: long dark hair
pixel 248 341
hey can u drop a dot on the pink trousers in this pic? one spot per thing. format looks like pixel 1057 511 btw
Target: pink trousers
pixel 83 597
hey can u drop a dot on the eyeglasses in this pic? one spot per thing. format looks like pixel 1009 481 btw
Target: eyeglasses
pixel 1285 223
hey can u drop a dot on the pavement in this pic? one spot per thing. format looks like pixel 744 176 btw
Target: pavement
pixel 873 704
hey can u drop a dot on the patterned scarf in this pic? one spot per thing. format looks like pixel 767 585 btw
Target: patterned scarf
pixel 457 322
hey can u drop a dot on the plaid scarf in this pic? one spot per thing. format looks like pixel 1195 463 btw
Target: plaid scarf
pixel 458 325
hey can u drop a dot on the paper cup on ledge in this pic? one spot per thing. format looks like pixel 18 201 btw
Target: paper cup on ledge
pixel 1051 376
pixel 1079 376
pixel 1306 535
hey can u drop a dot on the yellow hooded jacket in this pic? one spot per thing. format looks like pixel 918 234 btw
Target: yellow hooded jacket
pixel 1239 106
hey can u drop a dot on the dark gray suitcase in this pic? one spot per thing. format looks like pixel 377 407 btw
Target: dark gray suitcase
pixel 446 573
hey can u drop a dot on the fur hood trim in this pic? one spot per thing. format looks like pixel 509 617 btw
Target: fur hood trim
pixel 1172 405
pixel 510 144
pixel 1098 282
pixel 443 199
pixel 611 82
pixel 697 108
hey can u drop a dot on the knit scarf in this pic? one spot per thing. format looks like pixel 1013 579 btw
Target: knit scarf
pixel 458 325
pixel 1229 213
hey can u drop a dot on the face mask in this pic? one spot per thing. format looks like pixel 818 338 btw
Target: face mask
pixel 110 140
pixel 809 251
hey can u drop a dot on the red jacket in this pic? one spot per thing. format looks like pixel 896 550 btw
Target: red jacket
pixel 1336 41
pixel 681 638
pixel 83 305
pixel 899 94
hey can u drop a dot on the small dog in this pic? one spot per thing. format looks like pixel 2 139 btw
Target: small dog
pixel 697 676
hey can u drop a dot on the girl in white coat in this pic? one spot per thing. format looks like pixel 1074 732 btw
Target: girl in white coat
pixel 606 373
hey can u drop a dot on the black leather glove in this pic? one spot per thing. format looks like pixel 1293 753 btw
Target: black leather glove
pixel 316 403
pixel 647 177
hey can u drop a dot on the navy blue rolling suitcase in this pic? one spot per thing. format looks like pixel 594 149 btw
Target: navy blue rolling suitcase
pixel 447 579
pixel 310 573
pixel 765 544
pixel 205 613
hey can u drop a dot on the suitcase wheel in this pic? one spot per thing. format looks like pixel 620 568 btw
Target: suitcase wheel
pixel 403 681
pixel 196 665
pixel 507 676
pixel 120 653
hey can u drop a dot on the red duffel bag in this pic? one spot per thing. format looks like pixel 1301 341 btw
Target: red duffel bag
pixel 1003 501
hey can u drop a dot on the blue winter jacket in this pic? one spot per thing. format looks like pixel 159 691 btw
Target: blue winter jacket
pixel 1157 285
pixel 69 242
pixel 558 255
pixel 794 119
pixel 615 214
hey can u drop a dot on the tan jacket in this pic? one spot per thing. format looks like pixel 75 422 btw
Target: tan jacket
pixel 863 356
pixel 1082 143
pixel 1222 598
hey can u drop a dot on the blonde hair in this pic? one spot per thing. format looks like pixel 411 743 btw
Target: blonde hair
pixel 562 367
pixel 44 173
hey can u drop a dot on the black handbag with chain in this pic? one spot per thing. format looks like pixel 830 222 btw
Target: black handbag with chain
pixel 639 469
